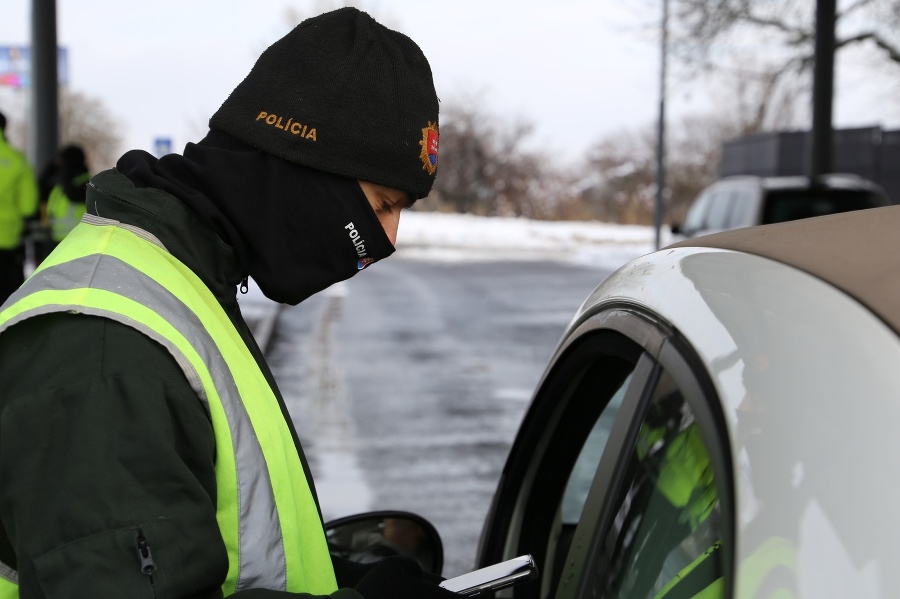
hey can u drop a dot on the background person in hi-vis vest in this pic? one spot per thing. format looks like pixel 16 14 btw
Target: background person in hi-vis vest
pixel 65 202
pixel 18 202
pixel 145 450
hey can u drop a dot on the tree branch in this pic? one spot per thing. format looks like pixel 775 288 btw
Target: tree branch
pixel 853 7
pixel 892 52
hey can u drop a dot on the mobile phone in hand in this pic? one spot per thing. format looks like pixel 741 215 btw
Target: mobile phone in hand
pixel 494 577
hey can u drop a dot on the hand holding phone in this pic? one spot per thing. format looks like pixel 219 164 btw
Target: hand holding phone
pixel 494 577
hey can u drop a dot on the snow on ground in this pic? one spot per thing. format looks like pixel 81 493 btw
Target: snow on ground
pixel 460 237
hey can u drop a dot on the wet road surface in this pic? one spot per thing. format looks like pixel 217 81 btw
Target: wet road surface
pixel 408 382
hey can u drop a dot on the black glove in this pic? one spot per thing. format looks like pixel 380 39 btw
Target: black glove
pixel 399 578
pixel 348 573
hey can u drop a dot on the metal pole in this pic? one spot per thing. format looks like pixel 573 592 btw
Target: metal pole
pixel 820 150
pixel 661 145
pixel 43 130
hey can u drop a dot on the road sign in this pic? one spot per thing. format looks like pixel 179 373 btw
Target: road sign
pixel 162 146
pixel 15 66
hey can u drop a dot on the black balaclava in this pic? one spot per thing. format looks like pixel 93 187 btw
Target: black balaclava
pixel 295 230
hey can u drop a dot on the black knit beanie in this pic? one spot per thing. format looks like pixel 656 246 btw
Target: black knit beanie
pixel 343 94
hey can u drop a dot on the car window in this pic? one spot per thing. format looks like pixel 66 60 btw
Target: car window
pixel 696 216
pixel 603 388
pixel 582 475
pixel 743 208
pixel 538 504
pixel 719 210
pixel 787 205
pixel 665 537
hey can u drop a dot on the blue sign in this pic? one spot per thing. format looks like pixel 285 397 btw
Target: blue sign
pixel 15 66
pixel 162 146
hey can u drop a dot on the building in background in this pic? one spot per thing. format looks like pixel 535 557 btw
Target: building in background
pixel 870 152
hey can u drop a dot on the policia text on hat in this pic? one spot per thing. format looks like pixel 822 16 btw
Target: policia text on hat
pixel 145 450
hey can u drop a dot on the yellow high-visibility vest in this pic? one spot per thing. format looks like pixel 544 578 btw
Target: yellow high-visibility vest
pixel 18 194
pixel 105 268
pixel 62 213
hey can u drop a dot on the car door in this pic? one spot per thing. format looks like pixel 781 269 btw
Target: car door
pixel 594 478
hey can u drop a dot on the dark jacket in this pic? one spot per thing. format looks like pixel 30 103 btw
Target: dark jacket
pixel 100 434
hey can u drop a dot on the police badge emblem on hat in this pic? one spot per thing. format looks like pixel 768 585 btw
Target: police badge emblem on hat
pixel 429 143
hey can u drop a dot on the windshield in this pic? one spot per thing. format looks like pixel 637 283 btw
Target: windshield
pixel 793 204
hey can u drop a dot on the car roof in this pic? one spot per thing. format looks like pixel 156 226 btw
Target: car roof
pixel 830 181
pixel 857 252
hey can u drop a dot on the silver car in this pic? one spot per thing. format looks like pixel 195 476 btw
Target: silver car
pixel 746 201
pixel 720 420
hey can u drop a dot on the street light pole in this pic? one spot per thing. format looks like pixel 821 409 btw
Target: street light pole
pixel 43 129
pixel 820 151
pixel 661 138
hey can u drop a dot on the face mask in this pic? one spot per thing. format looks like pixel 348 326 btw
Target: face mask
pixel 295 230
pixel 317 230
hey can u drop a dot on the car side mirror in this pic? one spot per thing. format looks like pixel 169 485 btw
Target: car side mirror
pixel 373 536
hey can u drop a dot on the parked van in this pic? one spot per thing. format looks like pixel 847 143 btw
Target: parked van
pixel 744 201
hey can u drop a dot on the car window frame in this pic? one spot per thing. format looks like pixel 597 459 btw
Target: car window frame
pixel 616 329
pixel 677 358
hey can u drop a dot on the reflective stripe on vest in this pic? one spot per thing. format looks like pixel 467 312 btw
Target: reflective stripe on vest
pixel 700 579
pixel 770 570
pixel 265 509
pixel 9 582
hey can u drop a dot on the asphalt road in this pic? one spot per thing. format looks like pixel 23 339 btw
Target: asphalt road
pixel 408 382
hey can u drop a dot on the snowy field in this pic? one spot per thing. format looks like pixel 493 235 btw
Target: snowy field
pixel 340 480
pixel 459 237
pixel 464 237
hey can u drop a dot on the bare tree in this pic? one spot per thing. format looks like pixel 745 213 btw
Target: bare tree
pixel 763 99
pixel 463 180
pixel 83 120
pixel 703 27
pixel 695 153
pixel 621 177
pixel 486 167
pixel 621 174
pixel 769 45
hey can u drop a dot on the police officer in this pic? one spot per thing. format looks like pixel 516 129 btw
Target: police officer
pixel 145 450
pixel 18 201
pixel 65 203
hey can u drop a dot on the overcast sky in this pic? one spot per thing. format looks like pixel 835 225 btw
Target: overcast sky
pixel 576 69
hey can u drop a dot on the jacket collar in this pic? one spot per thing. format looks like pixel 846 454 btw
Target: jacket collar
pixel 112 195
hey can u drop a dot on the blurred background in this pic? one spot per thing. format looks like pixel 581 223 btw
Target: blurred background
pixel 548 110
pixel 570 131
